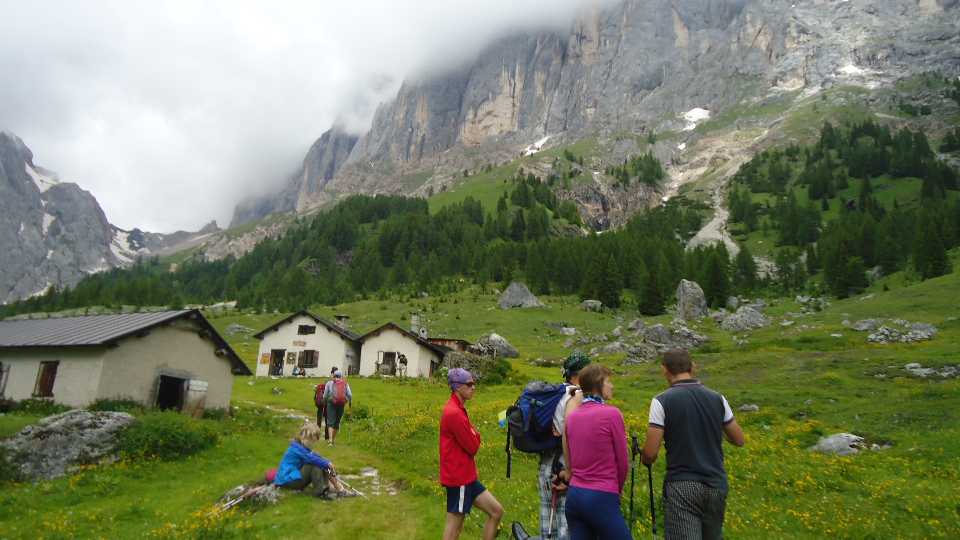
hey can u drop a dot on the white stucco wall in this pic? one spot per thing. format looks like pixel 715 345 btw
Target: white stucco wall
pixel 132 368
pixel 390 339
pixel 77 375
pixel 332 349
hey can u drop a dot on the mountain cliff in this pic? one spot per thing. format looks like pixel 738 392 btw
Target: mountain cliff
pixel 54 233
pixel 632 68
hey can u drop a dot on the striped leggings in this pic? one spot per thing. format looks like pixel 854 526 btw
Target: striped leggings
pixel 692 510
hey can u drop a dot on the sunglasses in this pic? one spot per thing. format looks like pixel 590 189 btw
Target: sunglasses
pixel 470 384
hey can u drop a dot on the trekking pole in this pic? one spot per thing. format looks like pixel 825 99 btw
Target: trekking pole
pixel 553 509
pixel 351 488
pixel 653 511
pixel 633 475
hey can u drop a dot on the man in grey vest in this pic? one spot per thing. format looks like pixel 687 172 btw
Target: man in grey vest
pixel 691 421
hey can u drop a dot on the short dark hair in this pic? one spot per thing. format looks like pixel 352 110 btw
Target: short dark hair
pixel 591 378
pixel 677 361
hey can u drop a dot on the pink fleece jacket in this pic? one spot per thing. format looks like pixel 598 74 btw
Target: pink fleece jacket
pixel 597 441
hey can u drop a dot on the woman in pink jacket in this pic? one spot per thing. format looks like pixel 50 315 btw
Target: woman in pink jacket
pixel 596 449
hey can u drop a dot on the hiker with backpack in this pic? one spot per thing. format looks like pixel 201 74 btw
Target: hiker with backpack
pixel 459 443
pixel 595 446
pixel 691 420
pixel 336 394
pixel 301 467
pixel 552 488
pixel 321 403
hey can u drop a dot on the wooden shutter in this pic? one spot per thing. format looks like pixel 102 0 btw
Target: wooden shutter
pixel 45 379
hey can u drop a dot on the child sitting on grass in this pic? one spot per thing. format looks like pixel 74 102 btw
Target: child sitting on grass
pixel 301 467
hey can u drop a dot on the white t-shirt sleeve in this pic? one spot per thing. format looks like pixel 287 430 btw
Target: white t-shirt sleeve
pixel 727 411
pixel 657 415
pixel 559 418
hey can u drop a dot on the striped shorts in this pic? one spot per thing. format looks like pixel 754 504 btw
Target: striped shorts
pixel 692 510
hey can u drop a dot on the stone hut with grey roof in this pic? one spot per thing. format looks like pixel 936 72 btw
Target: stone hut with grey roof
pixel 165 359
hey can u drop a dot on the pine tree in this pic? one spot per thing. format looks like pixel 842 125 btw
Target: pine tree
pixel 611 283
pixel 855 276
pixel 518 228
pixel 718 278
pixel 653 300
pixel 930 254
pixel 745 270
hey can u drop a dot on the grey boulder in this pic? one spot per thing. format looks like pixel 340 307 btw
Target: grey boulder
pixel 518 295
pixel 500 344
pixel 55 444
pixel 840 444
pixel 746 318
pixel 691 302
pixel 592 305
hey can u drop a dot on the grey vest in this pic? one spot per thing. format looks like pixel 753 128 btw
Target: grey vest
pixel 693 434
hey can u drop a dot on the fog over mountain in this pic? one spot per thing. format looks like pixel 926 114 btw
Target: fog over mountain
pixel 171 112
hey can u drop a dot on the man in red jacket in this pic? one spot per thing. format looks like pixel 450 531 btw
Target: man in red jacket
pixel 459 443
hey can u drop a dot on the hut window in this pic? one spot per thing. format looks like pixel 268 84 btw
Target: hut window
pixel 306 329
pixel 45 378
pixel 308 359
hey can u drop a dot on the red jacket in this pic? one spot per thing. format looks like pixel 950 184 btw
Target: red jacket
pixel 459 442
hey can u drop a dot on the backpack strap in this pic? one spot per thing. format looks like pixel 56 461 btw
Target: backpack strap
pixel 509 455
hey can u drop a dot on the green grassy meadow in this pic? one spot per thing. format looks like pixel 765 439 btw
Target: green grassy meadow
pixel 807 383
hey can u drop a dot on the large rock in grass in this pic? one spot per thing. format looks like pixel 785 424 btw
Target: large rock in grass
pixel 499 344
pixel 691 302
pixel 746 318
pixel 51 447
pixel 518 295
pixel 841 444
pixel 677 336
pixel 591 305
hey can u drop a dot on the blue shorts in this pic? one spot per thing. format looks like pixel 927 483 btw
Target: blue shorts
pixel 460 498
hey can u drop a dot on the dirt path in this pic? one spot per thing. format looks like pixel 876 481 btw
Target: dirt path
pixel 718 158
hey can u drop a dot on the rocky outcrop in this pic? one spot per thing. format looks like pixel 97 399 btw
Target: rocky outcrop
pixel 52 446
pixel 894 330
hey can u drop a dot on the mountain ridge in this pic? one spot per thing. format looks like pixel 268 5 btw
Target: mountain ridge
pixel 634 67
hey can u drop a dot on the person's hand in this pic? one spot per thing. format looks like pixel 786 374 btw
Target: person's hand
pixel 564 476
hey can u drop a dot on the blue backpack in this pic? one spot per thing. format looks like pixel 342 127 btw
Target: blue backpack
pixel 530 419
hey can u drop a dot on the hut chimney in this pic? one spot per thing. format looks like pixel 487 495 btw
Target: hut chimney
pixel 343 321
pixel 415 323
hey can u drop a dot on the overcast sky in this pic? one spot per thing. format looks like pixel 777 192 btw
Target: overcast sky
pixel 170 112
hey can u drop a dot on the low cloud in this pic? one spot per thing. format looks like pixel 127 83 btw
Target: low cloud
pixel 171 112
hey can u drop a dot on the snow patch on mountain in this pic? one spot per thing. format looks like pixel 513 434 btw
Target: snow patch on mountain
pixel 120 247
pixel 694 116
pixel 47 220
pixel 42 181
pixel 535 147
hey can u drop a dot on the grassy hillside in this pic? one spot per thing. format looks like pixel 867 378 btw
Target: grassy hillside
pixel 806 381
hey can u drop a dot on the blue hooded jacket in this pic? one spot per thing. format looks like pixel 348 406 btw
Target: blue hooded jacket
pixel 296 456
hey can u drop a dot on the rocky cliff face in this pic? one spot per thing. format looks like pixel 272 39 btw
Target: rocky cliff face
pixel 639 65
pixel 322 162
pixel 54 233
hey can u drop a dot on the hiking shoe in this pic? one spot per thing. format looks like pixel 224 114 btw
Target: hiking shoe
pixel 519 533
pixel 329 495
